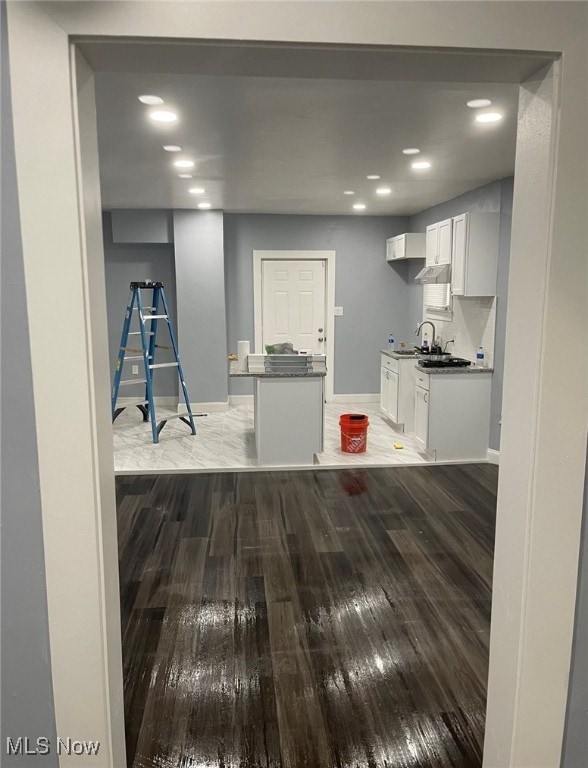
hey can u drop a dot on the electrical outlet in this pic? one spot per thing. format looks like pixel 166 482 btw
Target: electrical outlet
pixel 135 369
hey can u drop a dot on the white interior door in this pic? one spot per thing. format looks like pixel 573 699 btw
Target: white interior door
pixel 293 304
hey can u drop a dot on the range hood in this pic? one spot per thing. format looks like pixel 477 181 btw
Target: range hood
pixel 441 273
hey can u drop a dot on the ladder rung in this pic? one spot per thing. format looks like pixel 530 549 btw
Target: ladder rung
pixel 133 357
pixel 163 365
pixel 148 309
pixel 153 317
pixel 138 333
pixel 132 381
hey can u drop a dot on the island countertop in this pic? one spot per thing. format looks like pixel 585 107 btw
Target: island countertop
pixel 279 375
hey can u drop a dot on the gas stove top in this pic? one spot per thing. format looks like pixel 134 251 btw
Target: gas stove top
pixel 450 362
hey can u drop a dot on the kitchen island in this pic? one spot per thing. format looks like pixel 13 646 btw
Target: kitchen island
pixel 288 417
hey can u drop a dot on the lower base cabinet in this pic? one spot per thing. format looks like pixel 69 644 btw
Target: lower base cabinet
pixel 397 387
pixel 452 415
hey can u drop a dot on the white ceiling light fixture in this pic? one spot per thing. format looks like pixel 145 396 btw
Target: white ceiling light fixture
pixel 185 176
pixel 172 148
pixel 152 101
pixel 477 103
pixel 411 151
pixel 204 206
pixel 163 116
pixel 359 206
pixel 383 191
pixel 184 163
pixel 196 190
pixel 373 177
pixel 348 192
pixel 421 165
pixel 489 117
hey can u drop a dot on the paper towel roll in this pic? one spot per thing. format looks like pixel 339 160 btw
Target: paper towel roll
pixel 243 350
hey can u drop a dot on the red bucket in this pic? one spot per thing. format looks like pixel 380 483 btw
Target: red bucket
pixel 353 432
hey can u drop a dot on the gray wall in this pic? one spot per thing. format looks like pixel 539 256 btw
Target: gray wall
pixel 495 197
pixel 373 293
pixel 27 694
pixel 200 275
pixel 124 262
pixel 575 748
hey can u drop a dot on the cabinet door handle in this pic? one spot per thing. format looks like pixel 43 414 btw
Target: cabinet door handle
pixel 425 398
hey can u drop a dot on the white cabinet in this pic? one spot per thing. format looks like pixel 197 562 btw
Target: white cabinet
pixel 438 243
pixel 410 245
pixel 397 382
pixel 475 254
pixel 452 414
pixel 421 416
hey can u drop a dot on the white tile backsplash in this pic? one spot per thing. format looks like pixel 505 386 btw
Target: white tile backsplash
pixel 472 325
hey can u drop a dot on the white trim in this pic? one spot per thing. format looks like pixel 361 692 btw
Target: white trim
pixel 329 258
pixel 213 407
pixel 357 398
pixel 240 400
pixel 493 456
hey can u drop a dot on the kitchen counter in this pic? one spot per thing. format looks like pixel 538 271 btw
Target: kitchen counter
pixel 391 353
pixel 288 411
pixel 279 375
pixel 469 369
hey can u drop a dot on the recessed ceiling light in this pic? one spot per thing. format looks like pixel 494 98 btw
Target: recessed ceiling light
pixel 153 101
pixel 477 103
pixel 163 116
pixel 359 206
pixel 372 177
pixel 411 151
pixel 172 148
pixel 204 206
pixel 348 192
pixel 184 175
pixel 383 191
pixel 184 163
pixel 421 165
pixel 488 117
pixel 196 190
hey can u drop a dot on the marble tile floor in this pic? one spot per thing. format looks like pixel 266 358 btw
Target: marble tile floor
pixel 227 441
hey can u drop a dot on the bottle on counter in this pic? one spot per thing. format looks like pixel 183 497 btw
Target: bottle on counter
pixel 391 342
pixel 425 343
pixel 480 358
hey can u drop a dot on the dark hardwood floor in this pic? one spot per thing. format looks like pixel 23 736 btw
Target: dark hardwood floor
pixel 315 618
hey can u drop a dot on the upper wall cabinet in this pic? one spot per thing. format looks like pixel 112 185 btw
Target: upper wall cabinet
pixel 411 245
pixel 475 254
pixel 438 243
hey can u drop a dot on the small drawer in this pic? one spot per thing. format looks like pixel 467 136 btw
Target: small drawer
pixel 390 363
pixel 422 380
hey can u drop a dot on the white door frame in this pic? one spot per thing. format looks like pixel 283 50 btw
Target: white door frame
pixel 539 514
pixel 329 258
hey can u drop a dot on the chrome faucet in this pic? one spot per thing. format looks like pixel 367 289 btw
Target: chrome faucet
pixel 427 322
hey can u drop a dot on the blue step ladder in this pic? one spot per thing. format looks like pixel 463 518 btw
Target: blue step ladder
pixel 148 317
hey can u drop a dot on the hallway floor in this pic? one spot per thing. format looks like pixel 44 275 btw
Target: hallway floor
pixel 325 619
pixel 227 441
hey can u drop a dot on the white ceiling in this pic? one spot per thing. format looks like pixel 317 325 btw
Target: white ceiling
pixel 293 144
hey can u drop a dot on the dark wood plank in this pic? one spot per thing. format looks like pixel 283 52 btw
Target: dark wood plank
pixel 317 619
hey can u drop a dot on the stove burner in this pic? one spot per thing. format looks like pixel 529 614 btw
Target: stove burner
pixel 451 362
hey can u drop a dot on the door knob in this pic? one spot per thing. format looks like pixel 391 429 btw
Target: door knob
pixel 320 330
pixel 320 338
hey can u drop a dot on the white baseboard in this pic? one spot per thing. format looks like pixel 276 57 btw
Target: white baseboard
pixel 493 456
pixel 240 400
pixel 214 407
pixel 161 401
pixel 356 398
